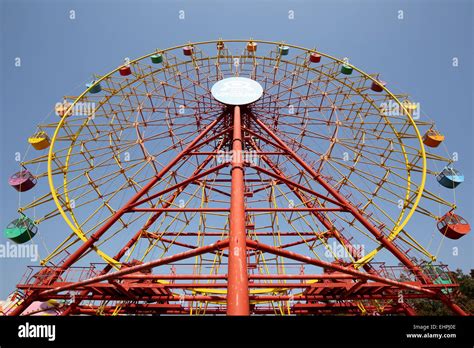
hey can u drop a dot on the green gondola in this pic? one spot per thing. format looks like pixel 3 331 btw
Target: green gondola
pixel 346 69
pixel 21 230
pixel 156 58
pixel 438 276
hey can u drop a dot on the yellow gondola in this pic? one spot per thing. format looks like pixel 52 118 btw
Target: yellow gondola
pixel 39 140
pixel 432 138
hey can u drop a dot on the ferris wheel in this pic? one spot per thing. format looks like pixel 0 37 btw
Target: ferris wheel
pixel 238 177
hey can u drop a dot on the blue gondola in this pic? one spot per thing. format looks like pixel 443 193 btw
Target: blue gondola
pixel 283 50
pixel 94 87
pixel 450 177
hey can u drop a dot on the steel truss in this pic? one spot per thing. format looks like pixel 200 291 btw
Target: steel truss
pixel 139 289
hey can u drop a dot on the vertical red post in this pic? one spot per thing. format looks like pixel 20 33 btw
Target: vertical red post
pixel 237 277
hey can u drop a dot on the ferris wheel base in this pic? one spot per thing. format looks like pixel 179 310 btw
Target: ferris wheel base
pixel 137 290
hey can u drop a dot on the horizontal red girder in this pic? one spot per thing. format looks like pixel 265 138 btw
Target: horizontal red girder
pixel 256 233
pixel 210 210
pixel 251 276
pixel 179 285
pixel 211 298
pixel 180 310
pixel 217 153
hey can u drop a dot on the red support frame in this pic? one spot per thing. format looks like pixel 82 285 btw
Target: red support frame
pixel 350 208
pixel 240 247
pixel 237 288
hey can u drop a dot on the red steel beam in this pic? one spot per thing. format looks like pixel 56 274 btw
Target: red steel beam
pixel 215 153
pixel 237 291
pixel 151 220
pixel 323 219
pixel 293 184
pixel 222 298
pixel 143 266
pixel 195 285
pixel 324 264
pixel 259 233
pixel 181 183
pixel 95 237
pixel 181 210
pixel 349 308
pixel 353 210
pixel 224 276
pixel 257 210
pixel 359 216
pixel 118 214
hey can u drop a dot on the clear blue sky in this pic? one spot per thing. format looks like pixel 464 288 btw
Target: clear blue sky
pixel 59 55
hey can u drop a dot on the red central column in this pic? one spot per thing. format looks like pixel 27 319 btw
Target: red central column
pixel 237 282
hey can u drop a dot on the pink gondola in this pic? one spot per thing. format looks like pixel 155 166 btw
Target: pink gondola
pixel 22 181
pixel 48 308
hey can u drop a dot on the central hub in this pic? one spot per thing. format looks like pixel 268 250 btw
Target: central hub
pixel 237 91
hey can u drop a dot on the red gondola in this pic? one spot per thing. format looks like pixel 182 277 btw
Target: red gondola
pixel 314 57
pixel 125 71
pixel 453 226
pixel 188 50
pixel 377 86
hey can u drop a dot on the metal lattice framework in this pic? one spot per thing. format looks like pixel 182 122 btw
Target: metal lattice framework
pixel 323 177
